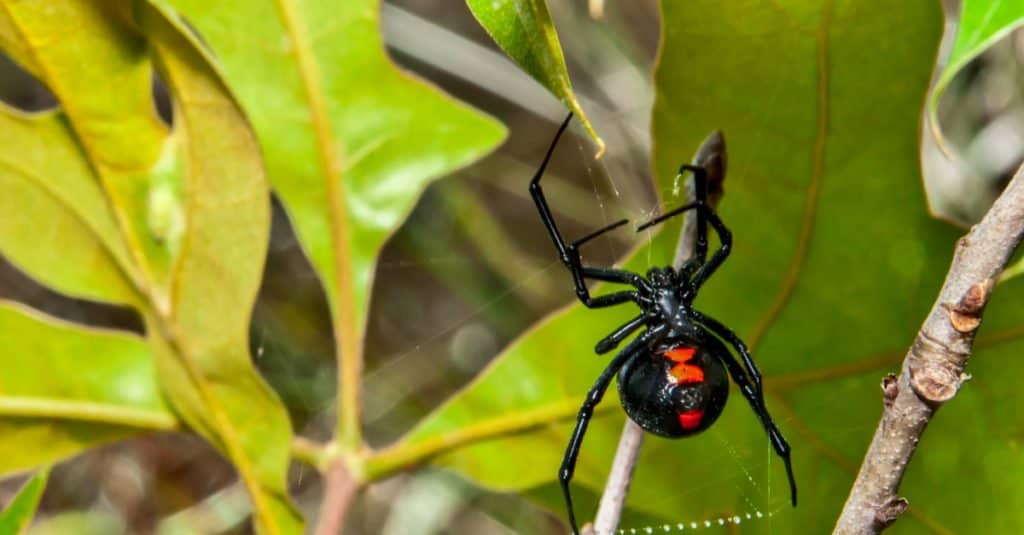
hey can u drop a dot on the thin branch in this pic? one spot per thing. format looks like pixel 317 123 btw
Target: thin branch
pixel 710 155
pixel 933 370
pixel 310 452
pixel 341 488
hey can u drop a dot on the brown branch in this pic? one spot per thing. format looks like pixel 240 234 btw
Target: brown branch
pixel 341 488
pixel 710 155
pixel 933 370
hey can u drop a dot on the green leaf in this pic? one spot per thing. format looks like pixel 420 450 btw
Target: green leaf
pixel 204 364
pixel 17 515
pixel 349 141
pixel 190 207
pixel 982 23
pixel 122 138
pixel 525 31
pixel 65 388
pixel 44 177
pixel 835 263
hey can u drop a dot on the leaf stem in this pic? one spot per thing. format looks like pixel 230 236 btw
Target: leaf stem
pixel 310 452
pixel 86 411
pixel 396 458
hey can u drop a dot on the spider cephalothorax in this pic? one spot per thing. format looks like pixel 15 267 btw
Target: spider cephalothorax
pixel 674 376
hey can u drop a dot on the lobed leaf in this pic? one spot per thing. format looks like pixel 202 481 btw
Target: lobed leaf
pixel 190 207
pixel 349 141
pixel 205 365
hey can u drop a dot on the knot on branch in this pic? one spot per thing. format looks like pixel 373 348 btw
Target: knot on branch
pixel 965 315
pixel 888 512
pixel 936 371
pixel 890 388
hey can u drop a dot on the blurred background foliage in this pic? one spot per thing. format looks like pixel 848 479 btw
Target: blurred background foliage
pixel 470 271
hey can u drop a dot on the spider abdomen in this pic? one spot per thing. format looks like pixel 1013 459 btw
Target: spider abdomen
pixel 674 391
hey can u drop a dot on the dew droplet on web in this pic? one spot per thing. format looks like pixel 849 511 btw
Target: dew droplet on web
pixel 694 525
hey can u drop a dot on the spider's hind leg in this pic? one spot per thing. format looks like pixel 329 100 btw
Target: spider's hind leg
pixel 748 379
pixel 590 402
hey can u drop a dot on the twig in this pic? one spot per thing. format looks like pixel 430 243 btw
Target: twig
pixel 341 488
pixel 933 370
pixel 310 452
pixel 711 156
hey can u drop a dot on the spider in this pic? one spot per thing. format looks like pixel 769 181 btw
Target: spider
pixel 673 377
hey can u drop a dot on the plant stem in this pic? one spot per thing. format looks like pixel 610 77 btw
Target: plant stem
pixel 341 488
pixel 933 369
pixel 312 453
pixel 388 461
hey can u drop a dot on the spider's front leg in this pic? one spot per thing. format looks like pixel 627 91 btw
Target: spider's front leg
pixel 612 341
pixel 569 253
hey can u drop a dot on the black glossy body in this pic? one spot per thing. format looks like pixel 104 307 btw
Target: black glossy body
pixel 654 399
pixel 672 376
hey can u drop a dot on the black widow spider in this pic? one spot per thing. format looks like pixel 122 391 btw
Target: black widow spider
pixel 672 377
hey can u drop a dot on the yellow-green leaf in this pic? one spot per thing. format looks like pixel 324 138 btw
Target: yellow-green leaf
pixel 45 178
pixel 65 388
pixel 203 354
pixel 190 207
pixel 87 54
pixel 349 141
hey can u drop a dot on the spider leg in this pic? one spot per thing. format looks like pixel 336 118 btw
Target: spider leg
pixel 569 253
pixel 700 190
pixel 728 335
pixel 581 272
pixel 725 237
pixel 756 400
pixel 594 395
pixel 668 215
pixel 612 341
pixel 705 215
